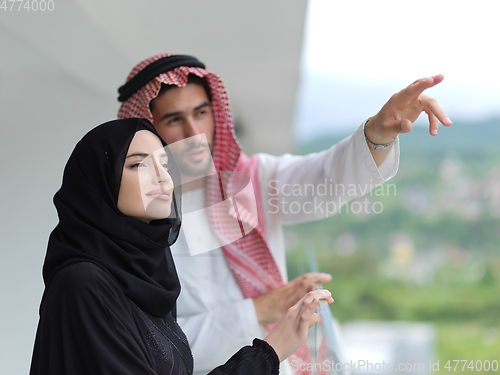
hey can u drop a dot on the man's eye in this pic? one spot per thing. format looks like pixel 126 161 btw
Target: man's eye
pixel 174 121
pixel 201 112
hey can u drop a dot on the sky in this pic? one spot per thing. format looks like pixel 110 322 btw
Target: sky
pixel 356 54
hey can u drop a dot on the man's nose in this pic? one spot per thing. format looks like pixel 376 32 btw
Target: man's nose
pixel 191 128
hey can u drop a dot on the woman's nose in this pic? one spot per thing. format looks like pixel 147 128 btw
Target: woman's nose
pixel 163 177
pixel 161 174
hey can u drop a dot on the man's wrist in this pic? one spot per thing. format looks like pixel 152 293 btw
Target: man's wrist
pixel 374 141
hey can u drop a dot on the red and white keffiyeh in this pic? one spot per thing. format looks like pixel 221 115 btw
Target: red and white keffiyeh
pixel 248 257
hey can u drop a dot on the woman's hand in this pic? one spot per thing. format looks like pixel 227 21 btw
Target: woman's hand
pixel 291 330
pixel 273 305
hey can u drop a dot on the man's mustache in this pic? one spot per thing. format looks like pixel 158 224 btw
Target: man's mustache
pixel 194 147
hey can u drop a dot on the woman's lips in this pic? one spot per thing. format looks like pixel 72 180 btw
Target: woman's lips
pixel 159 194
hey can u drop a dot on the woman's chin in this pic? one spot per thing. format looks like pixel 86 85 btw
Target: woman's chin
pixel 158 209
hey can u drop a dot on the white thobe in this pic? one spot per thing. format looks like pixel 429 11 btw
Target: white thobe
pixel 211 309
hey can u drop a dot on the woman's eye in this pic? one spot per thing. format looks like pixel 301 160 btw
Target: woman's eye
pixel 138 165
pixel 165 166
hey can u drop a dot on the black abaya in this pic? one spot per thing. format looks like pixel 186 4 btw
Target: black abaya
pixel 110 285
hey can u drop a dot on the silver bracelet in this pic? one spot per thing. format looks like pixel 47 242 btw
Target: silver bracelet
pixel 375 146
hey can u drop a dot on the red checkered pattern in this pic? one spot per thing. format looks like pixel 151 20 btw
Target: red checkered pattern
pixel 248 256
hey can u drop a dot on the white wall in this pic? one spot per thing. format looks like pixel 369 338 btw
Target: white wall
pixel 44 112
pixel 59 73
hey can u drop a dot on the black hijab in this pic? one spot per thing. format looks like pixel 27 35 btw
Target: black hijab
pixel 92 229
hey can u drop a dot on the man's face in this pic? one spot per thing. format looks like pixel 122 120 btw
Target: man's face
pixel 181 113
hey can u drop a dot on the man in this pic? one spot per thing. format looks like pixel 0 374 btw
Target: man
pixel 234 292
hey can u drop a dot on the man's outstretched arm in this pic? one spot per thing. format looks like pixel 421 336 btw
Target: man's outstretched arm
pixel 341 166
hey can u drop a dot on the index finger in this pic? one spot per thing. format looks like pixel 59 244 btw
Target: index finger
pixel 319 276
pixel 417 87
pixel 321 294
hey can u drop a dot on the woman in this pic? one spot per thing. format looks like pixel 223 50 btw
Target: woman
pixel 110 286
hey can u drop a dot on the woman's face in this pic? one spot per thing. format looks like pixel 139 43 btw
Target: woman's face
pixel 146 187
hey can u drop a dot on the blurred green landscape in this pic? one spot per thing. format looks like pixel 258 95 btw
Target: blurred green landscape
pixel 432 254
